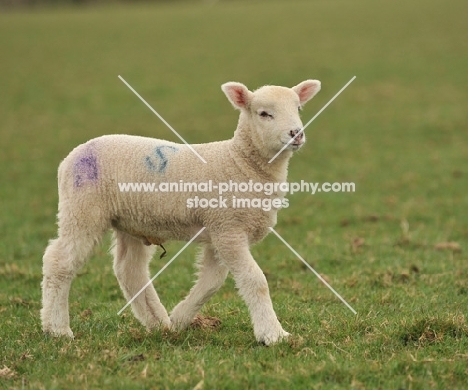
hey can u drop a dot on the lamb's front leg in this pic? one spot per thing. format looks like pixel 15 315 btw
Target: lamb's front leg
pixel 212 274
pixel 253 288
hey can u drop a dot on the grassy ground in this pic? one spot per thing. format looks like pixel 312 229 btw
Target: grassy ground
pixel 399 132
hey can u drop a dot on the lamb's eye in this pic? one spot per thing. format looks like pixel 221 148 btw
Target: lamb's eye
pixel 265 114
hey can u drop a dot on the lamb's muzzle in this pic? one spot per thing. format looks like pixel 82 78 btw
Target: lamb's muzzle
pixel 299 139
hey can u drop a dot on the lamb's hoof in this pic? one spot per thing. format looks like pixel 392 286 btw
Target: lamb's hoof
pixel 163 326
pixel 180 323
pixel 273 337
pixel 60 332
pixel 178 326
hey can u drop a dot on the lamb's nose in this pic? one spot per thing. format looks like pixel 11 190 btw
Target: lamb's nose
pixel 293 133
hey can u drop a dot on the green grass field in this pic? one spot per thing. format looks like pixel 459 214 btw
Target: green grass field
pixel 400 132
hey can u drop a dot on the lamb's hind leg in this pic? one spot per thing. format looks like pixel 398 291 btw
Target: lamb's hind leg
pixel 131 259
pixel 62 260
pixel 212 274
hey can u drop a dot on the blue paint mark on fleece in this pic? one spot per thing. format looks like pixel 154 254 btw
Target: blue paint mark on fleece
pixel 85 169
pixel 158 163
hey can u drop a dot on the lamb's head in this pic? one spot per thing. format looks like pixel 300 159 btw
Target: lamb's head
pixel 271 114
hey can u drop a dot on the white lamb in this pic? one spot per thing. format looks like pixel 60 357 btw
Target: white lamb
pixel 91 203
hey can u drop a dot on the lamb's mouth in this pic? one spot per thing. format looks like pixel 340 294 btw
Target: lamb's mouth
pixel 296 145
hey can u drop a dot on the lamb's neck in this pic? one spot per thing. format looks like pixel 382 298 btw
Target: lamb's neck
pixel 249 158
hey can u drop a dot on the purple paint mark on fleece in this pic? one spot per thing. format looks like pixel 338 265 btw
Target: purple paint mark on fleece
pixel 85 169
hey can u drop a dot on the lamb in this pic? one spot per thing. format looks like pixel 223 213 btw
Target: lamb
pixel 90 203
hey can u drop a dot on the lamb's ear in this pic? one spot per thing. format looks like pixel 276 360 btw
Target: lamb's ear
pixel 238 94
pixel 307 90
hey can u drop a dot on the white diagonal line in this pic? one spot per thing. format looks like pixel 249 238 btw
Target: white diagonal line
pixel 315 272
pixel 326 105
pixel 315 116
pixel 162 119
pixel 161 270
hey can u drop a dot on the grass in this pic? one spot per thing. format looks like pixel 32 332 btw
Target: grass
pixel 398 132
